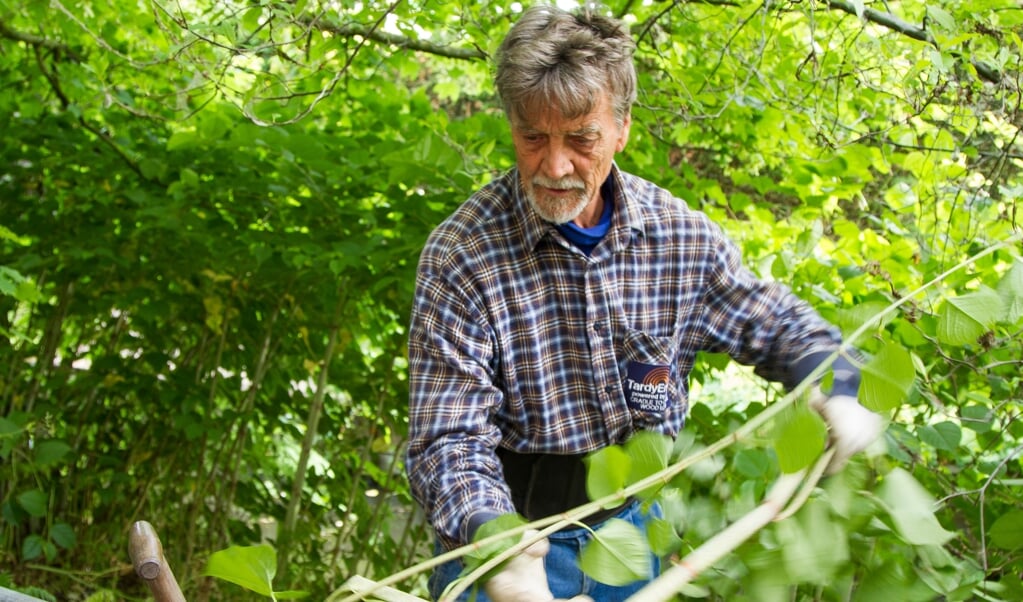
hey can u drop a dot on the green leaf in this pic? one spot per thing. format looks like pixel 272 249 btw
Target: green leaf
pixel 852 319
pixel 606 472
pixel 617 555
pixel 887 378
pixel 251 18
pixel 799 438
pixel 887 582
pixel 1010 288
pixel 858 7
pixel 648 454
pixel 251 567
pixel 752 462
pixel 32 547
pixel 500 524
pixel 663 538
pixel 34 502
pixel 50 452
pixel 49 550
pixel 813 544
pixel 963 319
pixel 977 417
pixel 9 435
pixel 13 284
pixel 1007 531
pixel 7 234
pixel 944 435
pixel 911 509
pixel 63 535
pixel 182 140
pixel 942 17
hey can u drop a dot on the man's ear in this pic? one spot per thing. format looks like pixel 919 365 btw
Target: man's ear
pixel 623 137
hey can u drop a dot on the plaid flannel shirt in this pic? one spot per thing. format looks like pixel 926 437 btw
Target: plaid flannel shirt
pixel 519 339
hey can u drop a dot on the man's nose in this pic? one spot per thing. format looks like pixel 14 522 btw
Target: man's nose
pixel 558 162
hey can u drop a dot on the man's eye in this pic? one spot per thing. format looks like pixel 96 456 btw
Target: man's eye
pixel 582 142
pixel 533 138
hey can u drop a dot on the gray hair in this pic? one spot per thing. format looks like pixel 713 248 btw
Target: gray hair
pixel 551 56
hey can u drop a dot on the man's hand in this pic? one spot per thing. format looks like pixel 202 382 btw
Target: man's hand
pixel 524 579
pixel 851 426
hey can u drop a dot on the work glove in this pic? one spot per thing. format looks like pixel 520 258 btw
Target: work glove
pixel 523 578
pixel 851 427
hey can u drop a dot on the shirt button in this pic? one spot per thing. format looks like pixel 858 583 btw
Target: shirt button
pixel 609 389
pixel 598 326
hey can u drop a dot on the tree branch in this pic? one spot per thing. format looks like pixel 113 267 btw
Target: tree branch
pixel 38 41
pixel 65 102
pixel 884 19
pixel 985 71
pixel 383 37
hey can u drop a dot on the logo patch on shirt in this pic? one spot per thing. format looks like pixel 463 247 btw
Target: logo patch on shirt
pixel 646 387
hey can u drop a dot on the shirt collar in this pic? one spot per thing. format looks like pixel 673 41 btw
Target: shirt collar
pixel 627 214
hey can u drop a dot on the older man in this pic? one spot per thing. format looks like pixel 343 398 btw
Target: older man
pixel 560 308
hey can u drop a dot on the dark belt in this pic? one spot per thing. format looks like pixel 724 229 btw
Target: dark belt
pixel 543 485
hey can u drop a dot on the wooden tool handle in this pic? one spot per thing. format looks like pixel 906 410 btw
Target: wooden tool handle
pixel 146 554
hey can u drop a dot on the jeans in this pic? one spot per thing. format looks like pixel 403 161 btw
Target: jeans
pixel 564 577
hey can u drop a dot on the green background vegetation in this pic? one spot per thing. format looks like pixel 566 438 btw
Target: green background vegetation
pixel 210 214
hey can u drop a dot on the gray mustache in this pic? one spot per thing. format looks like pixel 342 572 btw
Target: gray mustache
pixel 565 183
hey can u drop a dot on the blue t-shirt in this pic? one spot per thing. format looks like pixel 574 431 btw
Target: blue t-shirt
pixel 587 238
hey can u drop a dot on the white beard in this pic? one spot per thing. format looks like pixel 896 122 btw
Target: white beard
pixel 558 210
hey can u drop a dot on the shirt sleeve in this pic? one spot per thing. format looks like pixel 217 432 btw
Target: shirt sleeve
pixel 451 462
pixel 764 324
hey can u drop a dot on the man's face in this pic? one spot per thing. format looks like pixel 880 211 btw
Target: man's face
pixel 563 162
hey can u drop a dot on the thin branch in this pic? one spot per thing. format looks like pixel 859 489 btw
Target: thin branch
pixel 329 88
pixel 884 19
pixel 65 102
pixel 890 21
pixel 374 34
pixel 38 41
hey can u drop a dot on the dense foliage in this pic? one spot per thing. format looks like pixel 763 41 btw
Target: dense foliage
pixel 210 214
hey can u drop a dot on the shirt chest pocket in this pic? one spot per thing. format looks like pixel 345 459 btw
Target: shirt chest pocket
pixel 651 380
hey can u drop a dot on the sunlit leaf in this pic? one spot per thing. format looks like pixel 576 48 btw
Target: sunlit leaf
pixel 495 526
pixel 607 471
pixel 963 319
pixel 911 508
pixel 662 536
pixel 1007 531
pixel 813 544
pixel 977 417
pixel 1010 288
pixel 942 17
pixel 752 462
pixel 887 378
pixel 251 567
pixel 618 554
pixel 799 438
pixel 648 454
pixel 944 435
pixel 851 319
